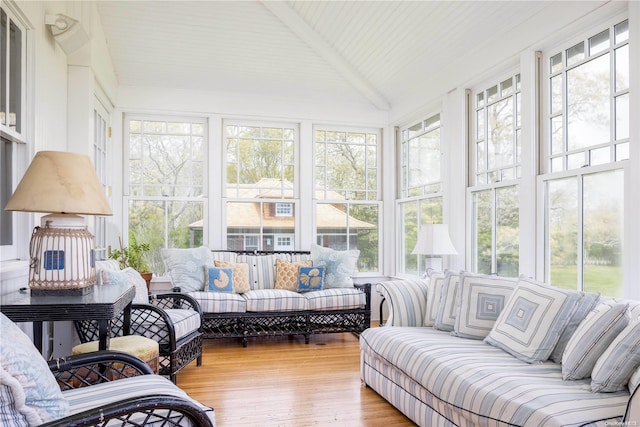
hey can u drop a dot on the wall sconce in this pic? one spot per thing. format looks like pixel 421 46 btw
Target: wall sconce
pixel 67 32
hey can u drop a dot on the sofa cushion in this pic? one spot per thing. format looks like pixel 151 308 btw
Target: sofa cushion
pixel 274 300
pixel 311 278
pixel 446 317
pixel 481 299
pixel 186 266
pixel 614 368
pixel 240 275
pixel 184 323
pixel 434 295
pixel 587 302
pixel 219 279
pixel 85 398
pixel 530 324
pixel 220 302
pixel 128 276
pixel 287 274
pixel 29 391
pixel 340 265
pixel 335 299
pixel 407 299
pixel 591 339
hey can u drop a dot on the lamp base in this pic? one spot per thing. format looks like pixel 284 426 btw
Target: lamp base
pixel 71 292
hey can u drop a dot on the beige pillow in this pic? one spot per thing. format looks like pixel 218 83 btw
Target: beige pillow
pixel 287 273
pixel 240 275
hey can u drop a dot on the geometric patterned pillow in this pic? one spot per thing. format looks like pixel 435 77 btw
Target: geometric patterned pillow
pixel 616 365
pixel 592 337
pixel 434 294
pixel 287 274
pixel 446 317
pixel 481 299
pixel 530 324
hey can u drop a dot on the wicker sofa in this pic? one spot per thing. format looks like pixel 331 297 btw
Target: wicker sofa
pixel 264 310
pixel 544 357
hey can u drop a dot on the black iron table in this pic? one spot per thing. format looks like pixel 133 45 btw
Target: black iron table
pixel 103 304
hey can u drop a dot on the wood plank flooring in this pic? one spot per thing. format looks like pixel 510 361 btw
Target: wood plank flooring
pixel 277 381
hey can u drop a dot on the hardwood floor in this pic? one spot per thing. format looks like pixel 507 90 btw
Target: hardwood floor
pixel 285 382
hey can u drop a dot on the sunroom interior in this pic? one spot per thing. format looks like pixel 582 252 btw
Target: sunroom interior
pixel 275 125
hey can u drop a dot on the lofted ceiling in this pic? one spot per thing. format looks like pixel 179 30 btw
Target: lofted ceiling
pixel 387 54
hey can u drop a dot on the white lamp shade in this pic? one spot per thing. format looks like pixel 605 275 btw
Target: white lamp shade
pixel 433 239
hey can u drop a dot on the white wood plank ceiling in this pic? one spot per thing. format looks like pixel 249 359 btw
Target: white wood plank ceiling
pixel 386 53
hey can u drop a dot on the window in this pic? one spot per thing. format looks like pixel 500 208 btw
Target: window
pixel 260 183
pixel 587 124
pixel 100 136
pixel 420 187
pixel 495 166
pixel 346 184
pixel 166 182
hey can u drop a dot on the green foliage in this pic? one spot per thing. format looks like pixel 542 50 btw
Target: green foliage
pixel 132 255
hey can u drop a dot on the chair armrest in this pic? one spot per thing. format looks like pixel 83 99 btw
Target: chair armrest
pixel 96 367
pixel 632 414
pixel 407 299
pixel 161 409
pixel 175 300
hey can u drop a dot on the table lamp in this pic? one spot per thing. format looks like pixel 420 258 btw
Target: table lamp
pixel 434 241
pixel 61 251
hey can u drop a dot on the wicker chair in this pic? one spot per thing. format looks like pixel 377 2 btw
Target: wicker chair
pixel 146 399
pixel 167 319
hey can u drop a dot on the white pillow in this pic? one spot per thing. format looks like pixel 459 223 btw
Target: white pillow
pixel 446 317
pixel 339 265
pixel 591 339
pixel 187 267
pixel 530 325
pixel 481 299
pixel 614 368
pixel 128 276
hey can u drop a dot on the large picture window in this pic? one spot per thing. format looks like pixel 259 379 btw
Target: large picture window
pixel 346 188
pixel 166 182
pixel 260 188
pixel 496 172
pixel 588 133
pixel 420 187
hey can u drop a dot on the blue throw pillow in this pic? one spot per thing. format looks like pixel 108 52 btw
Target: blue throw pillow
pixel 310 278
pixel 219 279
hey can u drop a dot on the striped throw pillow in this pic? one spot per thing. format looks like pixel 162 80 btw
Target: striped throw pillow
pixel 616 365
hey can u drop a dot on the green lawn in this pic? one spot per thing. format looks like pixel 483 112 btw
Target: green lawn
pixel 606 279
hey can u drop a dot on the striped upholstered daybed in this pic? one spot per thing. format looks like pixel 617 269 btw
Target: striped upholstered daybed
pixel 262 309
pixel 485 356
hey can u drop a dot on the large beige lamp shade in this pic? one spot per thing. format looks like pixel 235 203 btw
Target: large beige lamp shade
pixel 61 251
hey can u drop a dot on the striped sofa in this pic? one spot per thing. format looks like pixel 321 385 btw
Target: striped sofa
pixel 438 378
pixel 265 311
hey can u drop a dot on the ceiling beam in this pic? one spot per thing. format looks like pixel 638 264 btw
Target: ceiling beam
pixel 299 26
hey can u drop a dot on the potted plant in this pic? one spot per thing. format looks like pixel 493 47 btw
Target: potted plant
pixel 134 256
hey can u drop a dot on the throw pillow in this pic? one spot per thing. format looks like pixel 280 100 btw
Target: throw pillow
pixel 446 317
pixel 480 301
pixel 614 368
pixel 340 265
pixel 186 267
pixel 587 302
pixel 434 295
pixel 126 277
pixel 26 381
pixel 219 279
pixel 287 274
pixel 591 339
pixel 310 278
pixel 531 322
pixel 240 275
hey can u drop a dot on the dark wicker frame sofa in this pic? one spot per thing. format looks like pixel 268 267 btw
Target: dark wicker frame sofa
pixel 218 323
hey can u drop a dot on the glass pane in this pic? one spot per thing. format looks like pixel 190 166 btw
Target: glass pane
pixel 557 164
pixel 480 158
pixel 575 54
pixel 622 117
pixel 599 42
pixel 492 94
pixel 576 161
pixel 603 206
pixel 363 235
pixel 622 32
pixel 507 231
pixel 600 156
pixel 482 232
pixel 15 77
pixel 555 63
pixel 506 87
pixel 480 124
pixel 588 104
pixel 480 100
pixel 409 235
pixel 557 143
pixel 622 68
pixel 500 134
pixel 622 151
pixel 556 94
pixel 561 232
